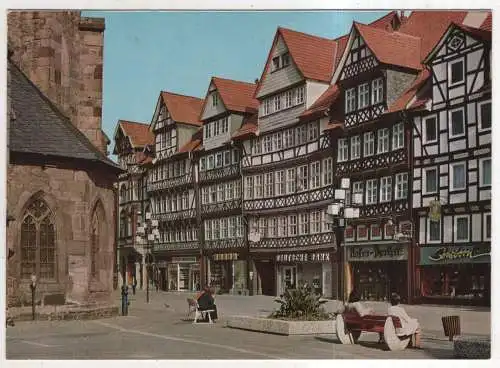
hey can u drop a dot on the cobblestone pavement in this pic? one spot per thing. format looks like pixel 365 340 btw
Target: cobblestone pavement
pixel 159 330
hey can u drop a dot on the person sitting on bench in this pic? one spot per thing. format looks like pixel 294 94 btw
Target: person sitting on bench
pixel 207 302
pixel 354 304
pixel 409 326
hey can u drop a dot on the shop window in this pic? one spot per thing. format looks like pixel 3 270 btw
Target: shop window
pixel 362 232
pixel 461 228
pixel 434 231
pixel 375 232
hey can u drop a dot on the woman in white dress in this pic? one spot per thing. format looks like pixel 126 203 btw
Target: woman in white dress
pixel 409 325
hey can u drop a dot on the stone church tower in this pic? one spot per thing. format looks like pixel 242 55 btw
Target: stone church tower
pixel 61 200
pixel 62 53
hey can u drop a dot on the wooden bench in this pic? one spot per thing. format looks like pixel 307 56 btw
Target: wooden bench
pixel 350 325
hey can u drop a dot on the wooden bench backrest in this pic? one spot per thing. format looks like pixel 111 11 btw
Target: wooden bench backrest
pixel 353 318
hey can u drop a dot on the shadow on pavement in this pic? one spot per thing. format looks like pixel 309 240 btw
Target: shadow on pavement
pixel 329 340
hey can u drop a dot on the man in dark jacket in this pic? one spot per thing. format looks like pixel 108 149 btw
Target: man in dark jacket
pixel 207 302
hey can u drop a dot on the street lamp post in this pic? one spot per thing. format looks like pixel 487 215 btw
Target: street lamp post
pixel 148 232
pixel 33 288
pixel 341 211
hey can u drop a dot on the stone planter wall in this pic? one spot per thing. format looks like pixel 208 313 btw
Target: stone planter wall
pixel 281 327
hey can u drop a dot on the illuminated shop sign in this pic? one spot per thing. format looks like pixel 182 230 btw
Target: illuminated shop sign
pixel 454 254
pixel 303 257
pixel 377 253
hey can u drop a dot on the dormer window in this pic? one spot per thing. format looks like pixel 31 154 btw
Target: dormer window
pixel 456 72
pixel 215 99
pixel 276 63
pixel 281 61
pixel 285 59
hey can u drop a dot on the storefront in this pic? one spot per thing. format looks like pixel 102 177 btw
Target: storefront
pixel 313 269
pixel 228 273
pixel 458 275
pixel 183 273
pixel 377 270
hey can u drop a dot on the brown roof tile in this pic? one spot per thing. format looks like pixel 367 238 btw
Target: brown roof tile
pixel 183 109
pixel 311 54
pixel 249 127
pixel 236 95
pixel 322 103
pixel 405 98
pixel 394 48
pixel 138 133
pixel 488 23
pixel 430 26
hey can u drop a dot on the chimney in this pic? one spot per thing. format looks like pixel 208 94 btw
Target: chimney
pixel 256 81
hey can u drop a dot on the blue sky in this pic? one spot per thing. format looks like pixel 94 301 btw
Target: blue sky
pixel 145 52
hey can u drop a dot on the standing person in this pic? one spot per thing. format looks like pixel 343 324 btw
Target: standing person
pixel 409 325
pixel 134 284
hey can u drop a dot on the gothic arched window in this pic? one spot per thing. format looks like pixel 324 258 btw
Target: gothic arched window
pixel 38 242
pixel 94 245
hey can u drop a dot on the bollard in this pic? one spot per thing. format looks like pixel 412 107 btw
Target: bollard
pixel 124 300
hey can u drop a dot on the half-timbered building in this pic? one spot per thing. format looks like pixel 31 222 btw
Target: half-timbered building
pixel 227 104
pixel 372 149
pixel 452 171
pixel 171 187
pixel 133 142
pixel 287 168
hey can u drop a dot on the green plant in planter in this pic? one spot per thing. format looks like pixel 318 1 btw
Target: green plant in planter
pixel 300 304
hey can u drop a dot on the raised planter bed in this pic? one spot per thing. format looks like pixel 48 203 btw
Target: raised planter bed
pixel 281 327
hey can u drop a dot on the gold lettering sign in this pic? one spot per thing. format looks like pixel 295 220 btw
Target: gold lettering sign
pixel 303 257
pixel 460 253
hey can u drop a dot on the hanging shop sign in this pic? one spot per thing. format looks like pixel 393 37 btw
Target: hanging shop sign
pixel 225 256
pixel 377 253
pixel 184 260
pixel 303 257
pixel 454 254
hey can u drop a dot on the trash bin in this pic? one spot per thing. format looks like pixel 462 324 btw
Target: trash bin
pixel 451 326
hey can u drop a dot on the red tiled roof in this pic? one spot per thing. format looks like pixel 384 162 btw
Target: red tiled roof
pixel 483 34
pixel 322 103
pixel 194 143
pixel 393 48
pixel 236 95
pixel 405 98
pixel 430 26
pixel 386 21
pixel 183 109
pixel 332 125
pixel 488 23
pixel 249 127
pixel 311 54
pixel 138 133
